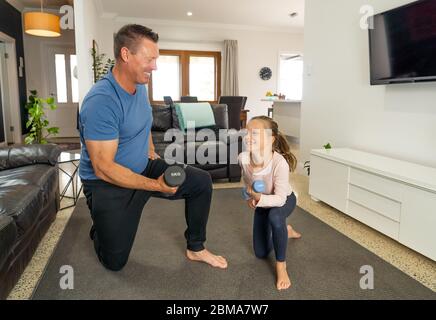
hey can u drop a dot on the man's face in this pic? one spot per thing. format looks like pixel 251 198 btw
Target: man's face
pixel 143 61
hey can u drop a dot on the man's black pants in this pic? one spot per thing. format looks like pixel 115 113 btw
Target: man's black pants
pixel 116 212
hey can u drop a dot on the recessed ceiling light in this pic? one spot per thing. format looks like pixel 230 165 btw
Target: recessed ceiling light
pixel 189 13
pixel 293 14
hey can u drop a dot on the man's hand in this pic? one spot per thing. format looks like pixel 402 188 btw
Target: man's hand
pixel 152 155
pixel 164 188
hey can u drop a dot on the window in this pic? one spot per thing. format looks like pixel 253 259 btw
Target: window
pixel 186 73
pixel 61 78
pixel 166 79
pixel 202 78
pixel 291 76
pixel 62 87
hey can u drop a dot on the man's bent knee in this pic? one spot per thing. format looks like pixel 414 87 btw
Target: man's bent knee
pixel 201 179
pixel 113 262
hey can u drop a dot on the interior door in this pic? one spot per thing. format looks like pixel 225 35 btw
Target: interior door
pixel 62 83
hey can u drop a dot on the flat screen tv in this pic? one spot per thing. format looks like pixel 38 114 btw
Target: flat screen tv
pixel 402 44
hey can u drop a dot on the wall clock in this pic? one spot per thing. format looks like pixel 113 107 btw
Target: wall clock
pixel 265 73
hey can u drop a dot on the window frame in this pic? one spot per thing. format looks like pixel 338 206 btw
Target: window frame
pixel 281 53
pixel 184 57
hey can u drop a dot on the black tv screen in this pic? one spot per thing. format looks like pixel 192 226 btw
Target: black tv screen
pixel 403 44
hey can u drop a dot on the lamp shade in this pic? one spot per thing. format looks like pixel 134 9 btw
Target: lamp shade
pixel 42 24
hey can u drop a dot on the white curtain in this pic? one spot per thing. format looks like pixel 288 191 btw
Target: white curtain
pixel 230 85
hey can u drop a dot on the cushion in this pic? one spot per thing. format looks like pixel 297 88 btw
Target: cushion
pixel 162 117
pixel 18 156
pixel 24 191
pixel 201 113
pixel 221 114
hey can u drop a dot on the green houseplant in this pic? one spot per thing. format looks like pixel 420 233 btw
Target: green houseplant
pixel 100 65
pixel 307 163
pixel 37 120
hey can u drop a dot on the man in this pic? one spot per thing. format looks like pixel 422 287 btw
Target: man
pixel 119 168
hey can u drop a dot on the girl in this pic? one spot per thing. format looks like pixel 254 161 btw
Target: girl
pixel 268 158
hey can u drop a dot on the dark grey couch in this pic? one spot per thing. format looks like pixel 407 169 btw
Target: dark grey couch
pixel 165 118
pixel 29 201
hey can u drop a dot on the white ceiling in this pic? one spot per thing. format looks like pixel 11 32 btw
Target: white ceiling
pixel 258 13
pixel 53 4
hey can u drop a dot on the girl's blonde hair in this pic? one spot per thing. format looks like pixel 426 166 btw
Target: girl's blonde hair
pixel 280 144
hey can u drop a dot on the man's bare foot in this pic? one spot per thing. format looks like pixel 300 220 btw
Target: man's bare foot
pixel 292 234
pixel 283 281
pixel 207 257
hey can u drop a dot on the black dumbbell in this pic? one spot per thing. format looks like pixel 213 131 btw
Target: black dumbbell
pixel 174 175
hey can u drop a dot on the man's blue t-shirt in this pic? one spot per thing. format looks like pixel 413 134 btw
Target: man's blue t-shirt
pixel 109 112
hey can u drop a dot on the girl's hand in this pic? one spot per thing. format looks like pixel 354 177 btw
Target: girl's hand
pixel 250 203
pixel 254 195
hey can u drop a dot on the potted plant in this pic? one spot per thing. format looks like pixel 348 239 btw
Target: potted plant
pixel 100 65
pixel 37 120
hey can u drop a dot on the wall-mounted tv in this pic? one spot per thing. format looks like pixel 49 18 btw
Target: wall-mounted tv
pixel 402 44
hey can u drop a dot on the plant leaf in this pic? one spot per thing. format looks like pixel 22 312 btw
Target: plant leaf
pixel 53 130
pixel 28 140
pixel 327 146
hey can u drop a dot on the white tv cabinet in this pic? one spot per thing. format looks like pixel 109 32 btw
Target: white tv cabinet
pixel 395 197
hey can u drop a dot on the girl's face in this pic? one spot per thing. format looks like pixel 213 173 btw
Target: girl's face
pixel 258 138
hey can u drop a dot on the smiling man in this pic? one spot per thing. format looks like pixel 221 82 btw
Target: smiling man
pixel 119 168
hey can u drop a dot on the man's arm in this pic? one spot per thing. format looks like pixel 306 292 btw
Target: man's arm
pixel 102 155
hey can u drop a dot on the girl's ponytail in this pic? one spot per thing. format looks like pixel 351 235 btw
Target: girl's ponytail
pixel 281 146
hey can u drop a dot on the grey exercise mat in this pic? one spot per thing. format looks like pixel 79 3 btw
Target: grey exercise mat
pixel 323 264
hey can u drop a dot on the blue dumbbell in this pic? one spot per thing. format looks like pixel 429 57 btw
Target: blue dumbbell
pixel 257 186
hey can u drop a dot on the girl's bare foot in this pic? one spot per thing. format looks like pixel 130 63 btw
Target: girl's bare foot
pixel 207 257
pixel 283 281
pixel 292 234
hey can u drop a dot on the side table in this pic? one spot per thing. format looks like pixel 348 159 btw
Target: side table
pixel 73 158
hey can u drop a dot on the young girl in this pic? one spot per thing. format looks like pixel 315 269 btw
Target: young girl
pixel 268 158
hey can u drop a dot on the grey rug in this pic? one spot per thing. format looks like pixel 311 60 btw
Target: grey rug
pixel 323 264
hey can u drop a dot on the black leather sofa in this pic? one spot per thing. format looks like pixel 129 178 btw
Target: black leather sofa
pixel 29 201
pixel 165 119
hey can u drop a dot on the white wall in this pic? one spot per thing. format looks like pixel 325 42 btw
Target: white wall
pixel 340 106
pixel 257 48
pixel 86 21
pixel 35 60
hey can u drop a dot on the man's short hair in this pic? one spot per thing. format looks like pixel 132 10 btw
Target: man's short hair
pixel 129 36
